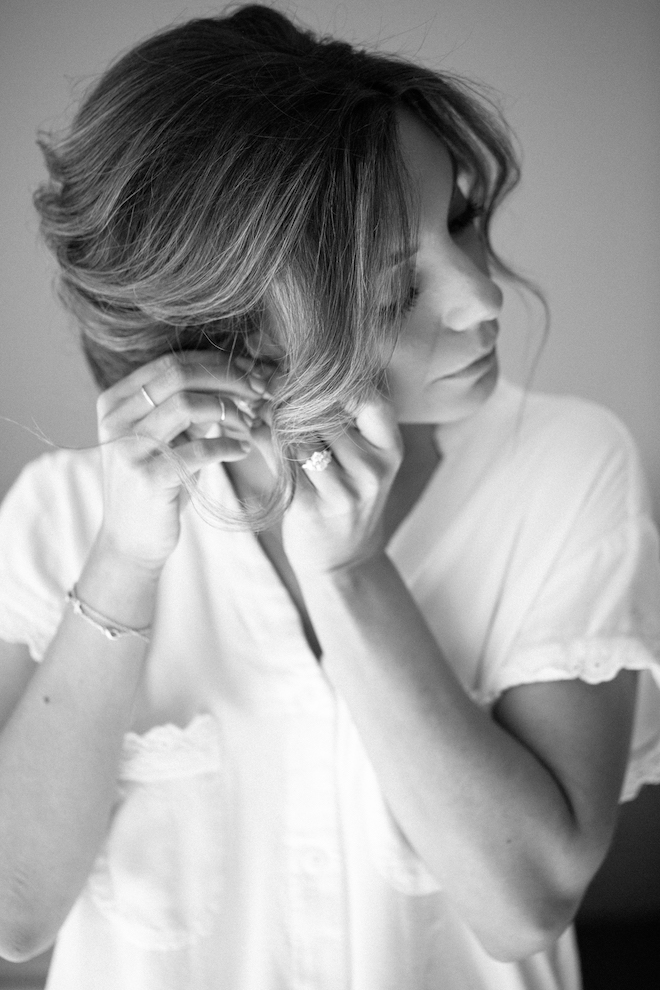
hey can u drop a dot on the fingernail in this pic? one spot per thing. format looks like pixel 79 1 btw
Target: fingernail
pixel 245 364
pixel 245 445
pixel 246 407
pixel 257 384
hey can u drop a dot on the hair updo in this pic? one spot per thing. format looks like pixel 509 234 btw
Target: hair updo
pixel 237 175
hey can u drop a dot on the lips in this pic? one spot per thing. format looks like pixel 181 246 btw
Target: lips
pixel 475 367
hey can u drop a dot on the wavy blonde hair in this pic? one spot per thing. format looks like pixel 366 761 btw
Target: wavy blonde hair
pixel 237 175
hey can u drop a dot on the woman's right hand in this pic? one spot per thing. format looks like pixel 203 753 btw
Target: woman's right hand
pixel 145 444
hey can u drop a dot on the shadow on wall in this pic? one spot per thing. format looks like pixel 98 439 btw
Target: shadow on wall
pixel 618 924
pixel 24 976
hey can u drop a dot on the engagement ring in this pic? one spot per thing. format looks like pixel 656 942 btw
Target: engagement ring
pixel 318 461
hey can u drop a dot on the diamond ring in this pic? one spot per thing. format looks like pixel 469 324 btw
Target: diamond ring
pixel 318 461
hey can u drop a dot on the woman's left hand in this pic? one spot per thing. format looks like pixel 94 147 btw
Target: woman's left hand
pixel 336 518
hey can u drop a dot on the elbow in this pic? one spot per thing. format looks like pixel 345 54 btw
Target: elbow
pixel 541 907
pixel 536 932
pixel 530 922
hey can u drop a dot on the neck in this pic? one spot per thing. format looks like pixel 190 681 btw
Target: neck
pixel 418 439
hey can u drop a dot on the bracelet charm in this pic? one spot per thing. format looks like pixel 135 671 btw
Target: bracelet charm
pixel 110 629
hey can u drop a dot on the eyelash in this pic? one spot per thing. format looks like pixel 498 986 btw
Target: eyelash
pixel 393 311
pixel 470 212
pixel 410 299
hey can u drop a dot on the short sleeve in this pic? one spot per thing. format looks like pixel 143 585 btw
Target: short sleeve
pixel 585 600
pixel 597 612
pixel 48 521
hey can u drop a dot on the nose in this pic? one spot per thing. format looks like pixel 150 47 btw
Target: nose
pixel 468 295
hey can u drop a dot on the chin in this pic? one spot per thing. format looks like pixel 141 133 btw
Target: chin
pixel 446 400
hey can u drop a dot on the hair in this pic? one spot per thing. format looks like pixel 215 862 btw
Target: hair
pixel 238 176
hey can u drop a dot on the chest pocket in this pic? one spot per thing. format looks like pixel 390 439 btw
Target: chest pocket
pixel 159 876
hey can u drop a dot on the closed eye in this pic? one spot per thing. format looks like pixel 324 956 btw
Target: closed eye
pixel 410 299
pixel 394 311
pixel 468 214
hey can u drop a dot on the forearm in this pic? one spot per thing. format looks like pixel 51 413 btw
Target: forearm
pixel 59 754
pixel 487 817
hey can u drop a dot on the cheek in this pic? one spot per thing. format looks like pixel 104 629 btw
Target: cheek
pixel 411 360
pixel 417 340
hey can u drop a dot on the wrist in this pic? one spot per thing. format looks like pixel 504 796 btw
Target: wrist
pixel 107 551
pixel 118 586
pixel 349 575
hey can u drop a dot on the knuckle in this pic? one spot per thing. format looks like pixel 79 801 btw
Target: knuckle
pixel 106 420
pixel 344 501
pixel 170 369
pixel 166 362
pixel 372 484
pixel 105 402
pixel 198 449
pixel 394 461
pixel 398 449
pixel 183 403
pixel 373 475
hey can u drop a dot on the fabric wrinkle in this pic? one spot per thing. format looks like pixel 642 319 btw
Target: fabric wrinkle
pixel 250 841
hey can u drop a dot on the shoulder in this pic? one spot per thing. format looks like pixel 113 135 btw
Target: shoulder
pixel 60 488
pixel 570 447
pixel 70 470
pixel 581 425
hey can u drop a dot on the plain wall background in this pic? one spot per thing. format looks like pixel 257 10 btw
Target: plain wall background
pixel 580 84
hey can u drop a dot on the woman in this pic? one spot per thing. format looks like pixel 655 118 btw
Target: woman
pixel 340 635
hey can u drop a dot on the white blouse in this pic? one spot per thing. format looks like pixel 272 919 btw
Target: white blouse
pixel 250 847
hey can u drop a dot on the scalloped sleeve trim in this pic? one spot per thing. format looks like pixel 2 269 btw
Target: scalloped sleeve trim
pixel 593 659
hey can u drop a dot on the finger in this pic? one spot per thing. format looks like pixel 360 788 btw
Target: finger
pixel 186 409
pixel 320 471
pixel 252 378
pixel 220 404
pixel 196 454
pixel 376 423
pixel 193 370
pixel 261 439
pixel 264 371
pixel 314 459
pixel 202 377
pixel 372 438
pixel 355 457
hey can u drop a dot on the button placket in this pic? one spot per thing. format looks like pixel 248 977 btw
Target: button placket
pixel 315 874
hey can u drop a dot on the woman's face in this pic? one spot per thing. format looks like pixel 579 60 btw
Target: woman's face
pixel 444 364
